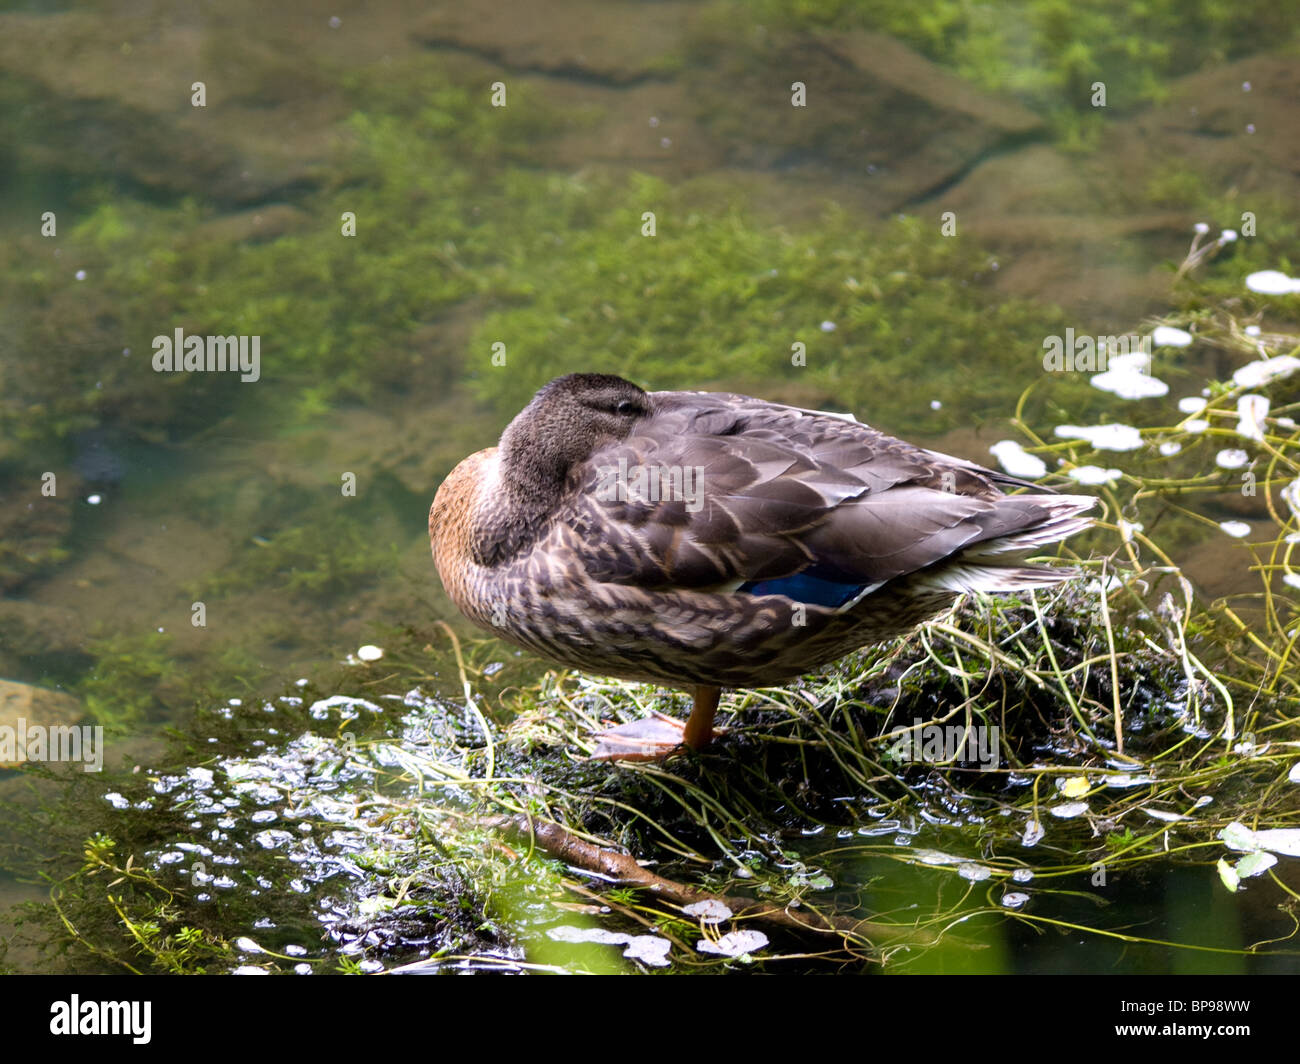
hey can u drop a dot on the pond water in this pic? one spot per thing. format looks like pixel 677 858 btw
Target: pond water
pixel 421 214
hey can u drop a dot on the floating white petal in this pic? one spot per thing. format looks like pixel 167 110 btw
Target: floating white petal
pixel 1255 864
pixel 1132 362
pixel 936 857
pixel 648 949
pixel 1251 412
pixel 1253 374
pixel 1272 283
pixel 1127 528
pixel 1229 875
pixel 1291 496
pixel 1104 437
pixel 1237 836
pixel 1236 529
pixel 1231 459
pixel 1280 840
pixel 1017 461
pixel 1136 779
pixel 1091 474
pixel 710 910
pixel 1096 587
pixel 1191 404
pixel 1128 376
pixel 1168 336
pixel 734 943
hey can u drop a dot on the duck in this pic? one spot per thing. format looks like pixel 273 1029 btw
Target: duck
pixel 710 540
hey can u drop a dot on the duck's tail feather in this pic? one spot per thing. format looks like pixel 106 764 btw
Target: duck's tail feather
pixel 996 564
pixel 1050 518
pixel 992 579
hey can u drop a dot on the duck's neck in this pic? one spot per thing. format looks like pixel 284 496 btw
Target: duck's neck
pixel 531 464
pixel 514 509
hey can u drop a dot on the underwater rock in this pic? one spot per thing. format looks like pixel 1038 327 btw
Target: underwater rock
pixel 268 222
pixel 612 41
pixel 102 92
pixel 1214 126
pixel 24 707
pixel 1036 207
pixel 32 632
pixel 875 114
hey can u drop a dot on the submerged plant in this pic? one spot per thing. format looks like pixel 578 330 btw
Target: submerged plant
pixel 120 689
pixel 318 558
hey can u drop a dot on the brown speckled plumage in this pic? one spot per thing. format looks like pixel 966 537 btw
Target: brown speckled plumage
pixel 532 545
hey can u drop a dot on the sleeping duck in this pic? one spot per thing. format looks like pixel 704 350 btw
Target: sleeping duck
pixel 708 540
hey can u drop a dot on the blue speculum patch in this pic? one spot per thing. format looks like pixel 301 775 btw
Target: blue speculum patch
pixel 807 586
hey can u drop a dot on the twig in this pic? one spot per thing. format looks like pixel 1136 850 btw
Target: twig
pixel 563 845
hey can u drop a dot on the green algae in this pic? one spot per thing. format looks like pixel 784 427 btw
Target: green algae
pixel 140 677
pixel 120 688
pixel 720 294
pixel 320 559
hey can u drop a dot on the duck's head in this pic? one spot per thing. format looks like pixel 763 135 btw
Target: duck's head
pixel 567 421
pixel 495 502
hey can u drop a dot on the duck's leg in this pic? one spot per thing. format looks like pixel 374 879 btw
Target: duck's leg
pixel 657 737
pixel 698 732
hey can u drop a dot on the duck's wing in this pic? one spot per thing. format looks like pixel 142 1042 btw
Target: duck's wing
pixel 724 492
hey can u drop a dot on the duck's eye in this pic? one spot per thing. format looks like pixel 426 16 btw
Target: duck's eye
pixel 627 408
